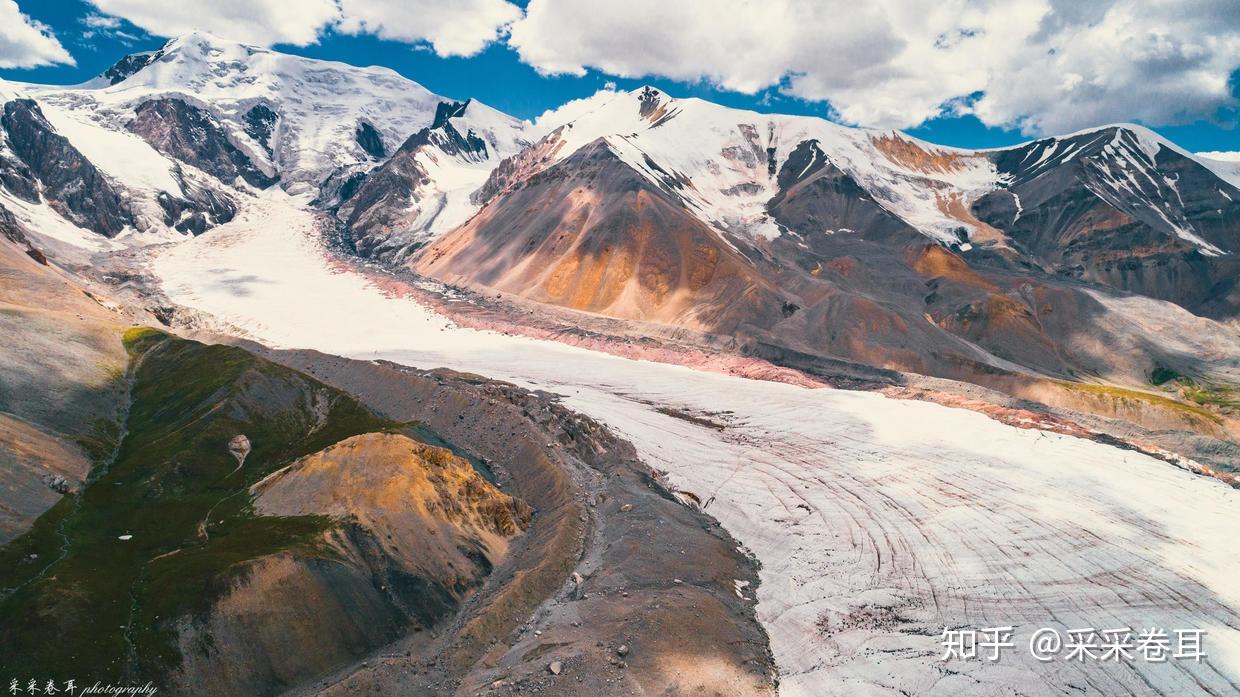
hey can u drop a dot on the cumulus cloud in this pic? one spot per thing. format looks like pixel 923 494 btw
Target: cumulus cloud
pixel 98 21
pixel 1040 65
pixel 27 43
pixel 457 28
pixel 1221 155
pixel 262 22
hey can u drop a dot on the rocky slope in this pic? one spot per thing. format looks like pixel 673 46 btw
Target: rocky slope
pixel 885 250
pixel 425 187
pixel 166 565
pixel 422 530
pixel 60 385
pixel 72 185
pixel 591 234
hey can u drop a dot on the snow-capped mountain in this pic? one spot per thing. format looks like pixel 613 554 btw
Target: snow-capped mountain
pixel 181 133
pixel 296 118
pixel 725 164
pixel 794 234
pixel 782 231
pixel 427 187
pixel 1090 204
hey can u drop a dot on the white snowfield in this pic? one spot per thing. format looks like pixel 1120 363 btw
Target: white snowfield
pixel 723 152
pixel 718 160
pixel 877 522
pixel 320 105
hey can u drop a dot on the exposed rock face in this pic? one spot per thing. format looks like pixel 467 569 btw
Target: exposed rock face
pixel 10 228
pixel 198 209
pixel 129 65
pixel 370 140
pixel 12 231
pixel 423 529
pixel 447 138
pixel 1112 207
pixel 16 177
pixel 260 124
pixel 192 135
pixel 815 196
pixel 381 208
pixel 73 186
pixel 382 201
pixel 196 217
pixel 591 234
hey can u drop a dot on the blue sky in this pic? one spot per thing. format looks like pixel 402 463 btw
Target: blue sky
pixel 499 77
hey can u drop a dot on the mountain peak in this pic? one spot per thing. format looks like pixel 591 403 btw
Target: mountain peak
pixel 203 39
pixel 653 103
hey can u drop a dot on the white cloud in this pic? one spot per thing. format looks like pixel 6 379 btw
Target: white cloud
pixel 1221 155
pixel 262 22
pixel 95 20
pixel 457 28
pixel 26 42
pixel 1042 65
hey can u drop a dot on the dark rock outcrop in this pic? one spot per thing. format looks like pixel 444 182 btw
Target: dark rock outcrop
pixel 1113 207
pixel 72 185
pixel 122 69
pixel 17 179
pixel 193 136
pixel 340 186
pixel 197 209
pixel 10 228
pixel 12 231
pixel 816 196
pixel 443 135
pixel 370 140
pixel 196 217
pixel 260 124
pixel 378 209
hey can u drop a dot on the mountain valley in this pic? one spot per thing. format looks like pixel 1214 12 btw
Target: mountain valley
pixel 318 383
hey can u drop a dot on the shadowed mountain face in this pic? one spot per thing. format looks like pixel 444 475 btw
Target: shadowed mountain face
pixel 70 182
pixel 193 136
pixel 816 195
pixel 882 251
pixel 393 209
pixel 1111 207
pixel 589 233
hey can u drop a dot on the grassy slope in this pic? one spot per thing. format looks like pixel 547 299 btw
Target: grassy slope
pixel 93 606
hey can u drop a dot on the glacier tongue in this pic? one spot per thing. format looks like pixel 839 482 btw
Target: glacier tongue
pixel 878 522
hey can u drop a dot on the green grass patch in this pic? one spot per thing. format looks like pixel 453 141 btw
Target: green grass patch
pixel 25 556
pixel 105 610
pixel 1222 396
pixel 1162 375
pixel 1123 395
